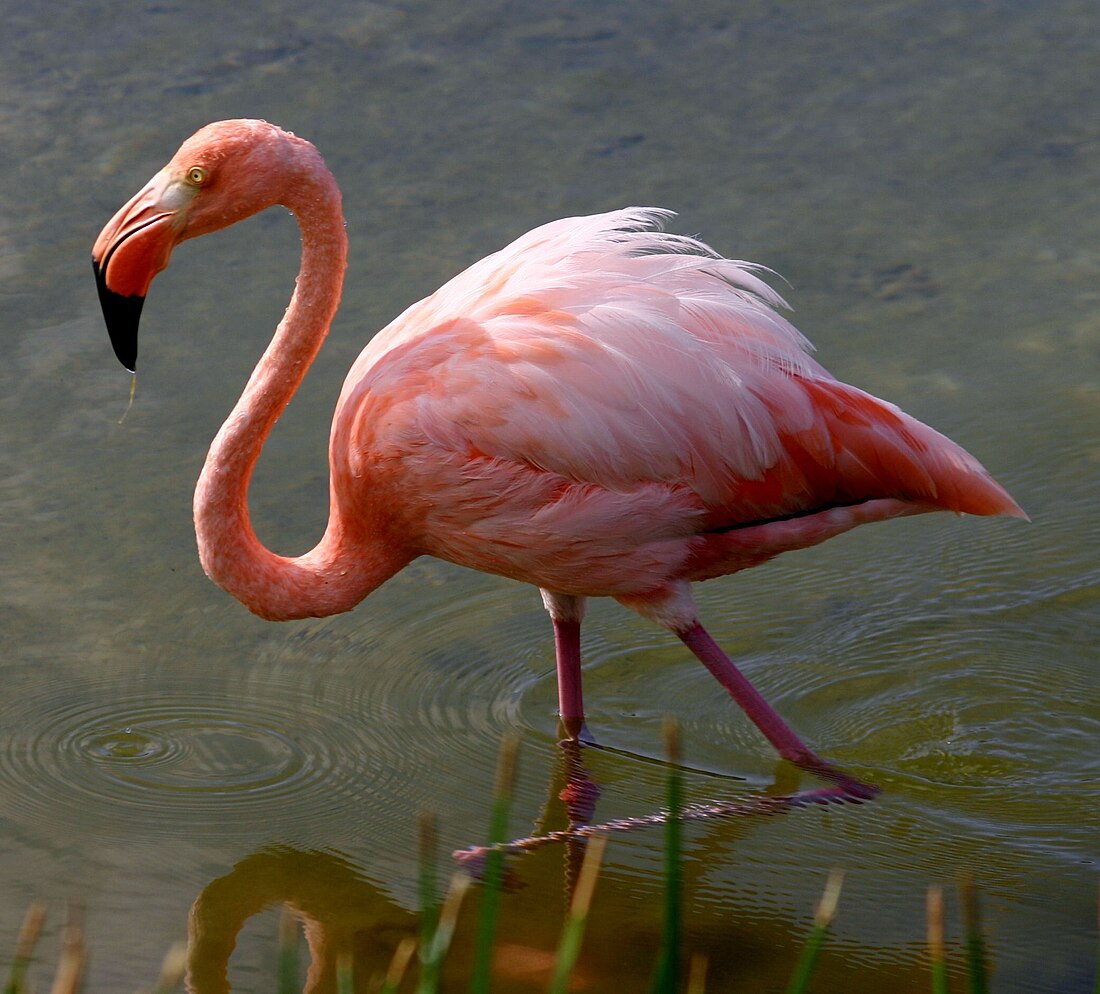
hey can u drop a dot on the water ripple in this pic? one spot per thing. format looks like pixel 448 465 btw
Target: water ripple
pixel 107 752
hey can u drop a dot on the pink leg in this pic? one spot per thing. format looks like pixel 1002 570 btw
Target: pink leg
pixel 763 715
pixel 567 650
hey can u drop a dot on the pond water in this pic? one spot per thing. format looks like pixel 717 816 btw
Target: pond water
pixel 925 177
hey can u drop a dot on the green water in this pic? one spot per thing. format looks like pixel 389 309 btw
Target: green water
pixel 924 176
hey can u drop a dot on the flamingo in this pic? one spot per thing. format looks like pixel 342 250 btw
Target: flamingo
pixel 601 409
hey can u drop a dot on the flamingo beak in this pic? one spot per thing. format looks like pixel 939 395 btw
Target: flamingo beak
pixel 134 246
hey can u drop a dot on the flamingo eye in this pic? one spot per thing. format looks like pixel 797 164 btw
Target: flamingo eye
pixel 197 175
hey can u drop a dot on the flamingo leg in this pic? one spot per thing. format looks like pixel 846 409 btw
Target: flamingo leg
pixel 567 651
pixel 764 716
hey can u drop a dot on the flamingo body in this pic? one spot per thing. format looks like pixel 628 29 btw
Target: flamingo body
pixel 600 409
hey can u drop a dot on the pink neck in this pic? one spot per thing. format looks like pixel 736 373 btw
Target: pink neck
pixel 338 572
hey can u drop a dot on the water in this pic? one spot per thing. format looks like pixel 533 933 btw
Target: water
pixel 926 179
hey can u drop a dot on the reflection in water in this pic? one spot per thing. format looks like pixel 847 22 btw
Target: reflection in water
pixel 580 793
pixel 342 914
pixel 345 919
pixel 346 916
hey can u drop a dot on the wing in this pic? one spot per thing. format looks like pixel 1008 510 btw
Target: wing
pixel 601 349
pixel 642 374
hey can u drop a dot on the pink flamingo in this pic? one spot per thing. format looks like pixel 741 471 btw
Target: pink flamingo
pixel 601 409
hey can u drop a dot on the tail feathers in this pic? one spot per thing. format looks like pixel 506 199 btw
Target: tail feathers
pixel 879 451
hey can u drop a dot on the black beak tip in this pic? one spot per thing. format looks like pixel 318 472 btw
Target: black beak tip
pixel 122 315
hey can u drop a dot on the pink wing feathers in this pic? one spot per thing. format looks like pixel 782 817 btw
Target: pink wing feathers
pixel 600 388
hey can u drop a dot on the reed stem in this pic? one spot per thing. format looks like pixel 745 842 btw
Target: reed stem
pixel 429 898
pixel 402 956
pixel 697 974
pixel 826 911
pixel 345 975
pixel 74 955
pixel 33 921
pixel 493 878
pixel 172 969
pixel 440 942
pixel 975 946
pixel 573 932
pixel 288 953
pixel 668 964
pixel 935 940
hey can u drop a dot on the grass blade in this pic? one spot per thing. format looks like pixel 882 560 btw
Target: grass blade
pixel 24 948
pixel 823 918
pixel 345 973
pixel 172 969
pixel 441 941
pixel 935 939
pixel 1096 989
pixel 697 974
pixel 573 933
pixel 668 964
pixel 429 901
pixel 975 946
pixel 74 956
pixel 493 877
pixel 287 982
pixel 402 956
pixel 428 883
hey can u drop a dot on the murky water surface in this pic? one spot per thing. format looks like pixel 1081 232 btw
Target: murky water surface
pixel 925 177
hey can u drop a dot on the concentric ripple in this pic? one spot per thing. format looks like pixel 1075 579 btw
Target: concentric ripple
pixel 312 731
pixel 197 752
pixel 177 751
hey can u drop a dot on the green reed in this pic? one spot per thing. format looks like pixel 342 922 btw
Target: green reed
pixel 573 932
pixel 666 976
pixel 345 973
pixel 823 918
pixel 493 878
pixel 24 948
pixel 935 940
pixel 975 946
pixel 1096 989
pixel 287 967
pixel 697 974
pixel 428 891
pixel 440 942
pixel 172 969
pixel 71 963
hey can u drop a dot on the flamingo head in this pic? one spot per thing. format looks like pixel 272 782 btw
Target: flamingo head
pixel 223 173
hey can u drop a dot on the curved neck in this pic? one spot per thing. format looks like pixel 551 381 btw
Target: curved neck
pixel 339 572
